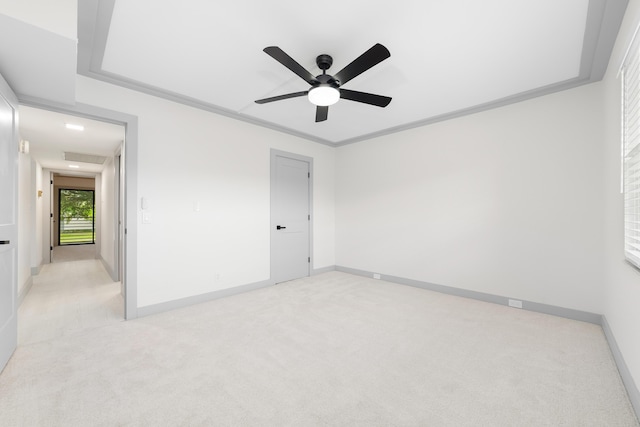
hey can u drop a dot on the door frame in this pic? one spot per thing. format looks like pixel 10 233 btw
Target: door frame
pixel 9 325
pixel 129 155
pixel 119 214
pixel 93 218
pixel 51 218
pixel 272 221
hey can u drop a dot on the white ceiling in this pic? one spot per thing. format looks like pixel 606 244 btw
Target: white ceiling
pixel 447 58
pixel 49 139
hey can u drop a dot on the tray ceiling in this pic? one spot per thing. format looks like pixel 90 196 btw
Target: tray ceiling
pixel 447 58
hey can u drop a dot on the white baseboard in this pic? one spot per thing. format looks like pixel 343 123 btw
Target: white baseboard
pixel 36 270
pixel 108 268
pixel 568 313
pixel 625 374
pixel 197 299
pixel 322 270
pixel 25 290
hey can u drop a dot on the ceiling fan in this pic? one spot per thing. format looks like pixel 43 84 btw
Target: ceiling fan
pixel 327 89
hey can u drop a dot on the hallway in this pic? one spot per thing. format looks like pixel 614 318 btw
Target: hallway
pixel 68 296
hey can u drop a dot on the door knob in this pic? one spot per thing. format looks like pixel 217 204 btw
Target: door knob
pixel 5 242
pixel 279 227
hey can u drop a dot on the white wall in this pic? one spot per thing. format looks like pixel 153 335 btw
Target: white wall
pixel 47 201
pixel 25 225
pixel 60 16
pixel 506 202
pixel 186 155
pixel 36 215
pixel 622 282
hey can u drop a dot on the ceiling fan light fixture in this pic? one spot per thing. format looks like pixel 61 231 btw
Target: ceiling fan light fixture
pixel 324 95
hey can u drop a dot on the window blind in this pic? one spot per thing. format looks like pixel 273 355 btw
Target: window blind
pixel 631 154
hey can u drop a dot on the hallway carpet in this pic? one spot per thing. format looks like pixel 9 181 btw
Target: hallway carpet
pixel 329 350
pixel 67 298
pixel 73 253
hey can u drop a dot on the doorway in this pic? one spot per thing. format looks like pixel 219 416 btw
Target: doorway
pixel 76 219
pixel 75 291
pixel 115 190
pixel 290 216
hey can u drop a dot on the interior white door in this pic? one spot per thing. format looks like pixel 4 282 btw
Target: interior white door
pixel 8 222
pixel 290 218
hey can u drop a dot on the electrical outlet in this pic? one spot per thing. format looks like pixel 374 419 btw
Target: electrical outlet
pixel 376 276
pixel 515 303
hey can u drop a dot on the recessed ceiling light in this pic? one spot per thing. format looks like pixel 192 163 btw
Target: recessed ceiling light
pixel 74 166
pixel 73 127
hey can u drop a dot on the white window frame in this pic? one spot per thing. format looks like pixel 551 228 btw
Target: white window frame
pixel 630 72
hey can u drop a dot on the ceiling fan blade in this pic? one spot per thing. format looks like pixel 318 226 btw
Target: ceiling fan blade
pixel 279 55
pixel 321 113
pixel 373 56
pixel 281 97
pixel 367 98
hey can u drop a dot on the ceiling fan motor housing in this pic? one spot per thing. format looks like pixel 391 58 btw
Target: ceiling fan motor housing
pixel 324 61
pixel 326 80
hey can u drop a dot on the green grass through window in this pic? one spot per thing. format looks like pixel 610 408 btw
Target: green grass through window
pixel 77 236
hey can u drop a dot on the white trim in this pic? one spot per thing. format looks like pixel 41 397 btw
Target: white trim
pixel 625 374
pixel 569 313
pixel 110 271
pixel 28 284
pixel 623 62
pixel 317 271
pixel 198 299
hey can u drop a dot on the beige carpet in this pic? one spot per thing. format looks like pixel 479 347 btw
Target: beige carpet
pixel 331 350
pixel 67 298
pixel 68 253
